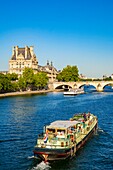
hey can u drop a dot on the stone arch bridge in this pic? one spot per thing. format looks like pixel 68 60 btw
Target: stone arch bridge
pixel 99 85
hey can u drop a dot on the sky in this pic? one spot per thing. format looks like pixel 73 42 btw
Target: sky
pixel 66 32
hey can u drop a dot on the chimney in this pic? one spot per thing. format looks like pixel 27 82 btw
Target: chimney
pixel 47 63
pixel 51 63
pixel 13 51
pixel 26 49
pixel 31 51
pixel 16 51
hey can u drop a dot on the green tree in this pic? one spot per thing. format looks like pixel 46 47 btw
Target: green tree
pixel 1 86
pixel 12 76
pixel 41 80
pixel 107 79
pixel 14 86
pixel 28 77
pixel 21 83
pixel 32 81
pixel 5 83
pixel 69 73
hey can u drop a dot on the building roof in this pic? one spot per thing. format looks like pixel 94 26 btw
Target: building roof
pixel 63 124
pixel 22 51
pixel 47 68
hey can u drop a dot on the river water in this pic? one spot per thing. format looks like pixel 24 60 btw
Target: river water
pixel 22 118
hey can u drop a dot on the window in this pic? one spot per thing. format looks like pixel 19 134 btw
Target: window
pixel 62 144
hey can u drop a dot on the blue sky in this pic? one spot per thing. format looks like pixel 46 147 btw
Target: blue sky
pixel 67 32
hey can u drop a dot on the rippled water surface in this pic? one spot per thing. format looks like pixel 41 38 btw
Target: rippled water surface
pixel 22 118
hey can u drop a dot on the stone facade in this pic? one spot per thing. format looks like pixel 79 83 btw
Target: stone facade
pixel 50 70
pixel 25 57
pixel 21 58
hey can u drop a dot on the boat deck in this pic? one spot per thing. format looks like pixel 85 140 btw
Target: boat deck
pixel 85 131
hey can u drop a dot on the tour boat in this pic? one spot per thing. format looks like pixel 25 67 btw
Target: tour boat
pixel 74 91
pixel 62 138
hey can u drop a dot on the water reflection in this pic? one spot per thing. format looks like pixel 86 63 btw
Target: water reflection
pixel 23 118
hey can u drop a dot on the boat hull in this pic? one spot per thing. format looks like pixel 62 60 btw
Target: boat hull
pixel 51 154
pixel 73 93
pixel 47 154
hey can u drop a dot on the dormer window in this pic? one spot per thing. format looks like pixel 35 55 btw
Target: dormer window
pixel 20 65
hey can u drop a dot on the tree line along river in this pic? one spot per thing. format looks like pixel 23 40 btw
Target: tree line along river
pixel 22 118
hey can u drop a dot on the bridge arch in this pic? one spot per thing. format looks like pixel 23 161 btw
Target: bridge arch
pixel 86 84
pixel 99 85
pixel 109 84
pixel 63 86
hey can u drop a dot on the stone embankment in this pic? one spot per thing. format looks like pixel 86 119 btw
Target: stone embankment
pixel 25 93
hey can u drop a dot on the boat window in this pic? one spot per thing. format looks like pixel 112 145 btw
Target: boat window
pixel 62 144
pixel 72 128
pixel 51 130
pixel 60 132
pixel 66 143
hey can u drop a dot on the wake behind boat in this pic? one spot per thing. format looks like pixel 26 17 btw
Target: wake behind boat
pixel 74 91
pixel 61 139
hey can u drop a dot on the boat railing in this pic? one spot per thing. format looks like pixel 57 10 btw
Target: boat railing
pixel 92 123
pixel 86 130
pixel 53 146
pixel 41 136
pixel 54 142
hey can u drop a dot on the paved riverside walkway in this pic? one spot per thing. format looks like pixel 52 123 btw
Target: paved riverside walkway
pixel 24 93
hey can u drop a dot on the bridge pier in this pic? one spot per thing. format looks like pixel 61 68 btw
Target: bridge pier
pixel 51 86
pixel 99 88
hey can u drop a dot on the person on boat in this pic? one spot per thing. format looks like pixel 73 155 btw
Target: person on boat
pixel 83 123
pixel 79 129
pixel 84 116
pixel 88 115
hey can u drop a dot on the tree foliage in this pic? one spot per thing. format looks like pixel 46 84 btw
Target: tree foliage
pixel 28 75
pixel 69 73
pixel 31 81
pixel 28 78
pixel 28 81
pixel 5 83
pixel 41 80
pixel 21 83
pixel 107 79
pixel 12 76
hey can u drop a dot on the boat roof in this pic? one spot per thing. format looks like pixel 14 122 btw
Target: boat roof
pixel 63 124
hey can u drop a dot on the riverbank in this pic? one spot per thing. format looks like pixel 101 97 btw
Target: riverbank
pixel 25 93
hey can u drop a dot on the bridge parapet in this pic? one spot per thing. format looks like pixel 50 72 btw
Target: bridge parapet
pixel 99 85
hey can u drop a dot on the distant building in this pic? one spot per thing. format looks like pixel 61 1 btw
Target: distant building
pixel 25 57
pixel 108 77
pixel 104 77
pixel 50 70
pixel 21 58
pixel 112 76
pixel 4 72
pixel 81 76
